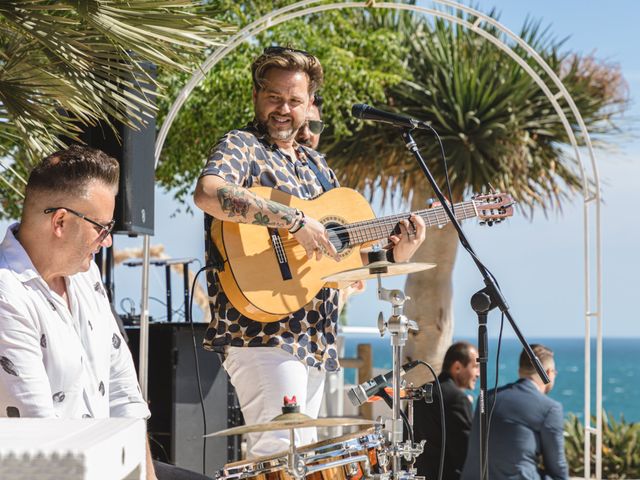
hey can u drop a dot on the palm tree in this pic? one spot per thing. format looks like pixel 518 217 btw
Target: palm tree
pixel 68 64
pixel 497 128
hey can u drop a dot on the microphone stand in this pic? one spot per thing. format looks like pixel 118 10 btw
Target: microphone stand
pixel 482 302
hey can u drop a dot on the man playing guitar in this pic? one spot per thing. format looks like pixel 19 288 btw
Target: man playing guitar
pixel 269 360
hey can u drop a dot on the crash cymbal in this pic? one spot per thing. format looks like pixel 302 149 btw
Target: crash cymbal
pixel 289 421
pixel 382 268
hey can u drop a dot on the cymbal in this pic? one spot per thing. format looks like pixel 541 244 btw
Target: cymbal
pixel 382 268
pixel 290 421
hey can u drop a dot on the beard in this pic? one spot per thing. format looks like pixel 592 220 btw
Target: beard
pixel 275 132
pixel 281 134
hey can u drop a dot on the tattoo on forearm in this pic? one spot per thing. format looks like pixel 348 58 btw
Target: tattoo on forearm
pixel 273 207
pixel 261 219
pixel 235 201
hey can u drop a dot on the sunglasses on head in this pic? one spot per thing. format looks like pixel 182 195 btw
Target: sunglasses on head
pixel 103 230
pixel 277 49
pixel 315 126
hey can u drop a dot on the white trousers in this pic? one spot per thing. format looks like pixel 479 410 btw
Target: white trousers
pixel 262 377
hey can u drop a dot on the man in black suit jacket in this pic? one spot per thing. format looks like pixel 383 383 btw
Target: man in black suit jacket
pixel 526 430
pixel 459 372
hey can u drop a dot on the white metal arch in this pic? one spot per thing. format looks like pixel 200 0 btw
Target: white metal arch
pixel 590 180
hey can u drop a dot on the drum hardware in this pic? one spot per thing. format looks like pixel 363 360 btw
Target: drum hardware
pixel 398 325
pixel 365 457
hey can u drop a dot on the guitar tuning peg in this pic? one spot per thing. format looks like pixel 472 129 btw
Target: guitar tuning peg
pixel 490 223
pixel 482 222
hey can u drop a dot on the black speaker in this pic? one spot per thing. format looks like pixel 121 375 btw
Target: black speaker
pixel 135 201
pixel 176 424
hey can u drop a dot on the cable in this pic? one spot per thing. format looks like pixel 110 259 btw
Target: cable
pixel 178 311
pixel 443 430
pixel 132 305
pixel 382 393
pixel 161 447
pixel 446 168
pixel 197 364
pixel 495 393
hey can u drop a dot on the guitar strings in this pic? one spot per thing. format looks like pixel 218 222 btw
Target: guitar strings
pixel 378 227
pixel 362 231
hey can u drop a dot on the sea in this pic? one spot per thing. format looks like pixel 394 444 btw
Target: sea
pixel 621 370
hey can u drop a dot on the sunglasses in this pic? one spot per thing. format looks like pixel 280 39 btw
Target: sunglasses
pixel 103 230
pixel 315 126
pixel 277 49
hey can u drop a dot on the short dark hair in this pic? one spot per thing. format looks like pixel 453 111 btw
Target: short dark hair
pixel 70 171
pixel 544 354
pixel 290 59
pixel 318 101
pixel 458 352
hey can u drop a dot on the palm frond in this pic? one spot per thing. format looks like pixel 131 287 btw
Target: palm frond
pixel 69 64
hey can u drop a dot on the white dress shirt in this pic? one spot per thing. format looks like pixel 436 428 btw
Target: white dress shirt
pixel 57 361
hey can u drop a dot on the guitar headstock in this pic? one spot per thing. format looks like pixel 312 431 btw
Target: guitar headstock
pixel 493 207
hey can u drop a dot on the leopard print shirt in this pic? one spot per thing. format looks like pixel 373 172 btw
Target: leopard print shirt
pixel 246 157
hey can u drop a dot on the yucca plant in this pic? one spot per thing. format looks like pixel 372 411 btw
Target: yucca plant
pixel 67 64
pixel 620 447
pixel 498 129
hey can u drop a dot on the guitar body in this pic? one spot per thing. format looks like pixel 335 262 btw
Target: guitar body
pixel 253 277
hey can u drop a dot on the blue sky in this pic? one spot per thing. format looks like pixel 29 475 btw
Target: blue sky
pixel 539 262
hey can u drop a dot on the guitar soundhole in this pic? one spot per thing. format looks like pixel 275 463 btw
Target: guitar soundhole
pixel 338 235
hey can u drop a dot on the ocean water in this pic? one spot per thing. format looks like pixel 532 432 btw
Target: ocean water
pixel 621 370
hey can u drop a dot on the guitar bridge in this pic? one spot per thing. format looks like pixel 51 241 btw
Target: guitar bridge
pixel 283 261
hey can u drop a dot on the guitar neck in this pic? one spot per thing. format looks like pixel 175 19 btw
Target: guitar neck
pixel 381 228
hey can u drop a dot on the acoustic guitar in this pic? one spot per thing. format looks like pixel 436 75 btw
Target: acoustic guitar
pixel 266 274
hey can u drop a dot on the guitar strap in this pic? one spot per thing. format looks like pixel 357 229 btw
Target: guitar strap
pixel 322 178
pixel 214 259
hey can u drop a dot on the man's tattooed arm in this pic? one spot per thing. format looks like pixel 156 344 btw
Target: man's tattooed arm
pixel 236 202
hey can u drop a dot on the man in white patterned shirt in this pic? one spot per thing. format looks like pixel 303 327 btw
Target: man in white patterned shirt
pixel 61 353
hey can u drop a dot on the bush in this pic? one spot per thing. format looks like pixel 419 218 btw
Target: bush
pixel 620 448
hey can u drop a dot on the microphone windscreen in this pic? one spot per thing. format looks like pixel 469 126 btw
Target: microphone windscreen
pixel 359 109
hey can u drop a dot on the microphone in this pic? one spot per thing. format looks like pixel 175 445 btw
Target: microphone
pixel 366 112
pixel 361 393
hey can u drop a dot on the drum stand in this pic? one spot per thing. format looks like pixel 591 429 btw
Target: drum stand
pixel 398 326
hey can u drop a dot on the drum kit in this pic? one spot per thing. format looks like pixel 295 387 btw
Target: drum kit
pixel 378 452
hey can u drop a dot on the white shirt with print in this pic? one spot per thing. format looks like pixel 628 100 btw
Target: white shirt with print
pixel 58 361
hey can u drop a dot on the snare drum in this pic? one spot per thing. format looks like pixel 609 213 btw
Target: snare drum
pixel 342 458
pixel 273 467
pixel 345 457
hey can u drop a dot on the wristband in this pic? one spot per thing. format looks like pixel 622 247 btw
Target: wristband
pixel 390 258
pixel 299 224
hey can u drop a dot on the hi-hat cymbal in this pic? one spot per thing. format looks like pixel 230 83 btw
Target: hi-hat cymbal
pixel 382 268
pixel 289 421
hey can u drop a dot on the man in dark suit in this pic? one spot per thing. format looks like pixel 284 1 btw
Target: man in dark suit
pixel 459 372
pixel 526 430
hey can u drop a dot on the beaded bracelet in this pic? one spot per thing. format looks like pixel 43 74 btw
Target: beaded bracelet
pixel 301 222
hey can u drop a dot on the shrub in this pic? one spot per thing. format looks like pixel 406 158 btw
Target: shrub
pixel 620 447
